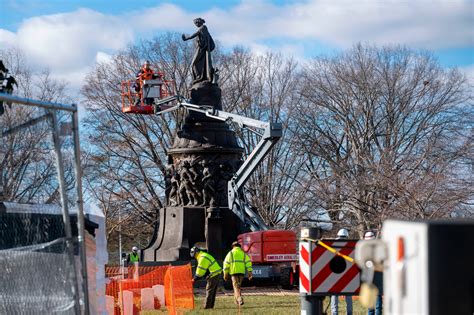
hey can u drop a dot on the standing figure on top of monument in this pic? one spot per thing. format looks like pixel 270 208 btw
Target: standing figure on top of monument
pixel 204 44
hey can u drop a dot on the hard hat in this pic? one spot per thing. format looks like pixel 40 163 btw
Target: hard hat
pixel 343 233
pixel 369 235
pixel 134 248
pixel 194 251
pixel 235 244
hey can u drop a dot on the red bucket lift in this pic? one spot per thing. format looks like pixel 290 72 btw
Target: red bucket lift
pixel 138 97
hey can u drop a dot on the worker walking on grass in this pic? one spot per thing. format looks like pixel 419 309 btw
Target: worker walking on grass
pixel 236 264
pixel 209 267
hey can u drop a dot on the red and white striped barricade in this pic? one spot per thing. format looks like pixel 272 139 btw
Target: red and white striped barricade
pixel 327 267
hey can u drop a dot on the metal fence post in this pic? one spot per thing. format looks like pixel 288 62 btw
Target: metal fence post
pixel 64 205
pixel 80 209
pixel 310 304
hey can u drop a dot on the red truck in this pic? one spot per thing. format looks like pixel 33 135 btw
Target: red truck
pixel 274 255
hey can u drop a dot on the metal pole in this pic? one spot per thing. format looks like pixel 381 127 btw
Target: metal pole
pixel 66 218
pixel 311 304
pixel 25 125
pixel 31 102
pixel 80 210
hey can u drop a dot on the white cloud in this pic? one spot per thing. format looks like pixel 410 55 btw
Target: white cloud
pixel 421 24
pixel 71 40
pixel 70 43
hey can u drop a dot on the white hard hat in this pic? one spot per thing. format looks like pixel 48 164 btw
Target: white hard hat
pixel 134 248
pixel 343 233
pixel 194 251
pixel 369 235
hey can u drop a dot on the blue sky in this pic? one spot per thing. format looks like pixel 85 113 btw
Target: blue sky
pixel 70 36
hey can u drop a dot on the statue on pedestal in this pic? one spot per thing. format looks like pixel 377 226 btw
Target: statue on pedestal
pixel 204 156
pixel 202 61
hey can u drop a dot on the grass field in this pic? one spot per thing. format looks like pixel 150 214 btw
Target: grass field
pixel 285 305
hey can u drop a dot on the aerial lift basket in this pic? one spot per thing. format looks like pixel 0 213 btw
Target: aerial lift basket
pixel 141 101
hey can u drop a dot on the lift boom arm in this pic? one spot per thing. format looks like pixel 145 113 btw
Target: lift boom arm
pixel 272 132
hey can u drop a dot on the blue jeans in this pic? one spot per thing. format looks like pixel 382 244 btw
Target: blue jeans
pixel 378 307
pixel 335 304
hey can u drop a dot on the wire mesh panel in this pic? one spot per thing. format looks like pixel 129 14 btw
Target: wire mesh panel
pixel 37 276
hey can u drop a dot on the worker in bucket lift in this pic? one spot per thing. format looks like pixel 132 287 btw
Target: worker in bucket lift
pixel 236 264
pixel 133 256
pixel 378 280
pixel 341 234
pixel 207 267
pixel 145 73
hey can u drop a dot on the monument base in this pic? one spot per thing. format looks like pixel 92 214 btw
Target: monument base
pixel 181 228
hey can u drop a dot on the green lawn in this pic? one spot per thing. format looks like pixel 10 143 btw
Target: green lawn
pixel 285 305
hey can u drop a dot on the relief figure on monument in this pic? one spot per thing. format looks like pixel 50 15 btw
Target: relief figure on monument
pixel 187 191
pixel 173 188
pixel 209 183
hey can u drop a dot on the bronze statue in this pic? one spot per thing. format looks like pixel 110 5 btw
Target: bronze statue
pixel 204 44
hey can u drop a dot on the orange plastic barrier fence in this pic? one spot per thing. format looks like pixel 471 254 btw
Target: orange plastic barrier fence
pixel 136 288
pixel 179 289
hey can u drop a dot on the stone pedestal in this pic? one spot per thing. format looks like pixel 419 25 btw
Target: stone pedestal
pixel 181 228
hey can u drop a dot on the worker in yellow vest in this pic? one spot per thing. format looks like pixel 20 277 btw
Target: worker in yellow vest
pixel 237 264
pixel 133 257
pixel 207 267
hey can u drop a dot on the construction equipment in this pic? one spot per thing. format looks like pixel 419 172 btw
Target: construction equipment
pixel 270 133
pixel 274 256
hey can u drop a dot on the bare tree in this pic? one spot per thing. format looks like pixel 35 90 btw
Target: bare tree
pixel 386 134
pixel 26 158
pixel 264 87
pixel 127 153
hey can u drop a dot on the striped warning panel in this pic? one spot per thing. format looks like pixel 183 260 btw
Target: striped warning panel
pixel 331 273
pixel 305 266
pixel 328 269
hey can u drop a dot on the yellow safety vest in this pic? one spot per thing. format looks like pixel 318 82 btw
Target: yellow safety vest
pixel 207 262
pixel 237 262
pixel 134 257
